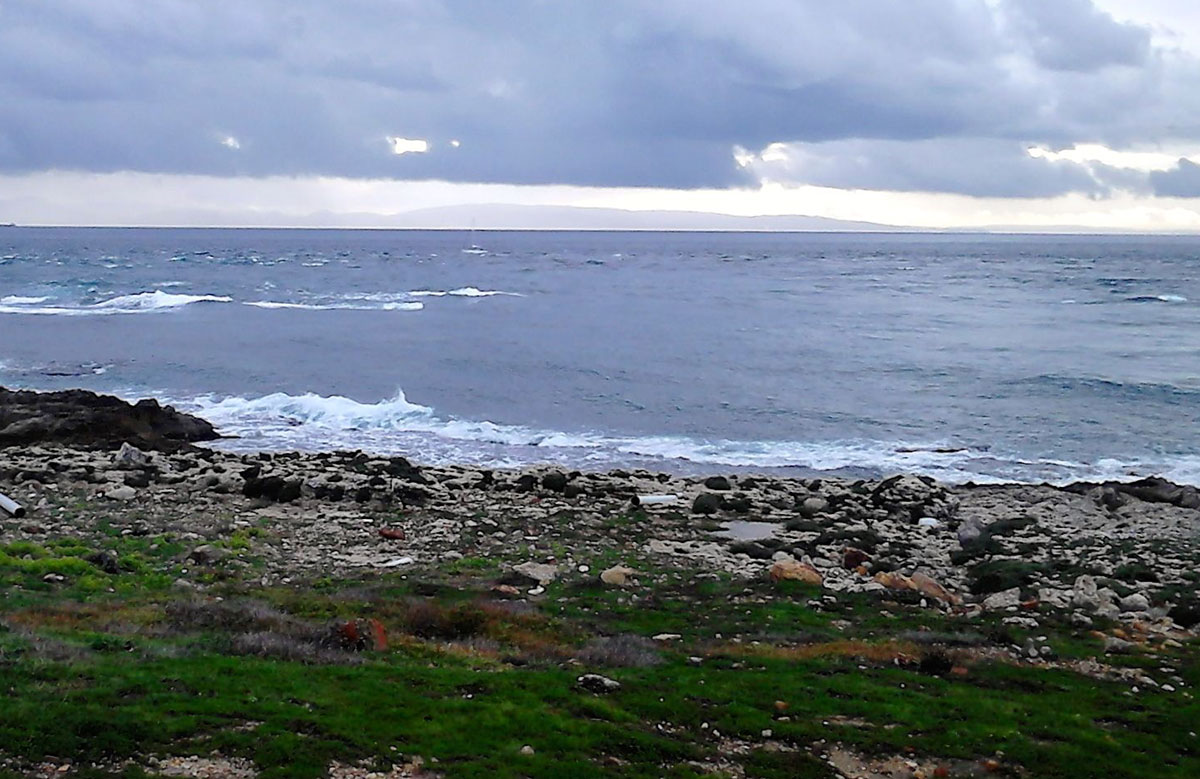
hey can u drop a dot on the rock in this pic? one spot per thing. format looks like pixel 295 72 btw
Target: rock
pixel 794 570
pixel 1085 594
pixel 392 533
pixel 506 591
pixel 1111 498
pixel 930 587
pixel 138 480
pixel 738 503
pixel 572 490
pixel 1118 646
pixel 129 457
pixel 971 532
pixel 1158 490
pixel 1003 600
pixel 706 503
pixel 542 573
pixel 124 492
pixel 207 554
pixel 106 561
pixel 527 750
pixel 812 506
pixel 84 419
pixel 555 481
pixel 718 483
pixel 618 576
pixel 853 557
pixel 1134 602
pixel 598 684
pixel 895 580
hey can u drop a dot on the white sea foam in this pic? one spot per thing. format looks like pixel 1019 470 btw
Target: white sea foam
pixel 22 300
pixel 462 292
pixel 395 306
pixel 139 303
pixel 151 301
pixel 396 425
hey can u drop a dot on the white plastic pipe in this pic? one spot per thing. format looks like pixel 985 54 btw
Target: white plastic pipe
pixel 11 506
pixel 651 500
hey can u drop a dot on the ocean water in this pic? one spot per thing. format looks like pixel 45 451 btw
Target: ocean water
pixel 965 357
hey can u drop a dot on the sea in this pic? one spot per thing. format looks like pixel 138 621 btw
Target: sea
pixel 966 357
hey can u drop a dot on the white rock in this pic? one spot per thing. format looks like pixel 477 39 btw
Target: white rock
pixel 1135 602
pixel 1003 600
pixel 124 492
pixel 542 573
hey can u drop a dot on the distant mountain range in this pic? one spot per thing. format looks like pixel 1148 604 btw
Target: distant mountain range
pixel 534 217
pixel 496 216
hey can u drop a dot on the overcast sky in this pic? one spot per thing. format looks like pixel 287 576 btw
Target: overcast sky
pixel 938 113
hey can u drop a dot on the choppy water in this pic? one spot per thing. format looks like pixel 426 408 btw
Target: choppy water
pixel 964 357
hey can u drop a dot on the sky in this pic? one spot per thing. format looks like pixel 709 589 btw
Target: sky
pixel 925 113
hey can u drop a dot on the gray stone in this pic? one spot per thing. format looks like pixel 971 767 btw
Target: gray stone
pixel 206 554
pixel 598 684
pixel 1135 602
pixel 1003 600
pixel 1085 594
pixel 542 573
pixel 810 507
pixel 124 492
pixel 706 503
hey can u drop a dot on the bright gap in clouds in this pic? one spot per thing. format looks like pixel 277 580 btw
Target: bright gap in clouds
pixel 407 145
pixel 1132 160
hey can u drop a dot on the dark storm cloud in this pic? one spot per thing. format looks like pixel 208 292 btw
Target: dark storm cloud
pixel 619 92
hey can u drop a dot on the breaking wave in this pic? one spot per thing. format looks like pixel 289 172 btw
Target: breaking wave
pixel 139 303
pixel 462 292
pixel 391 306
pixel 312 422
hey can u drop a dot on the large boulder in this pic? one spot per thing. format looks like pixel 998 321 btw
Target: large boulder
pixel 84 419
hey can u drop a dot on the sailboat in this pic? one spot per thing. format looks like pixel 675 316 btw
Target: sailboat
pixel 474 248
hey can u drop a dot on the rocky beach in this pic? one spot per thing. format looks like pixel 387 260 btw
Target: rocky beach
pixel 136 536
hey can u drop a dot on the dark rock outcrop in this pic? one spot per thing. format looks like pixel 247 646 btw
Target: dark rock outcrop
pixel 87 420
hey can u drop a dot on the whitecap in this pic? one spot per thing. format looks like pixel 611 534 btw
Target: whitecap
pixel 462 292
pixel 396 306
pixel 22 300
pixel 139 303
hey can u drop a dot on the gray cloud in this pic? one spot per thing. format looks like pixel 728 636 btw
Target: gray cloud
pixel 981 167
pixel 1183 180
pixel 603 93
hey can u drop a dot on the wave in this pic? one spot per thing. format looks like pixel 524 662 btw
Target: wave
pixel 1157 299
pixel 139 303
pixel 1095 385
pixel 21 300
pixel 394 306
pixel 462 292
pixel 313 422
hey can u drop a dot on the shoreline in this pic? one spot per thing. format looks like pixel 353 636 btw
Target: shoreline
pixel 752 626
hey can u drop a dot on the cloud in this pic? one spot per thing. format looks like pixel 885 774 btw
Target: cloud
pixel 1183 180
pixel 620 93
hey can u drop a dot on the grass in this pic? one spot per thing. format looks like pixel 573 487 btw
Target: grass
pixel 108 666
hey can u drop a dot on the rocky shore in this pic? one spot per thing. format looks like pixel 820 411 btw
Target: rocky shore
pixel 998 567
pixel 1126 552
